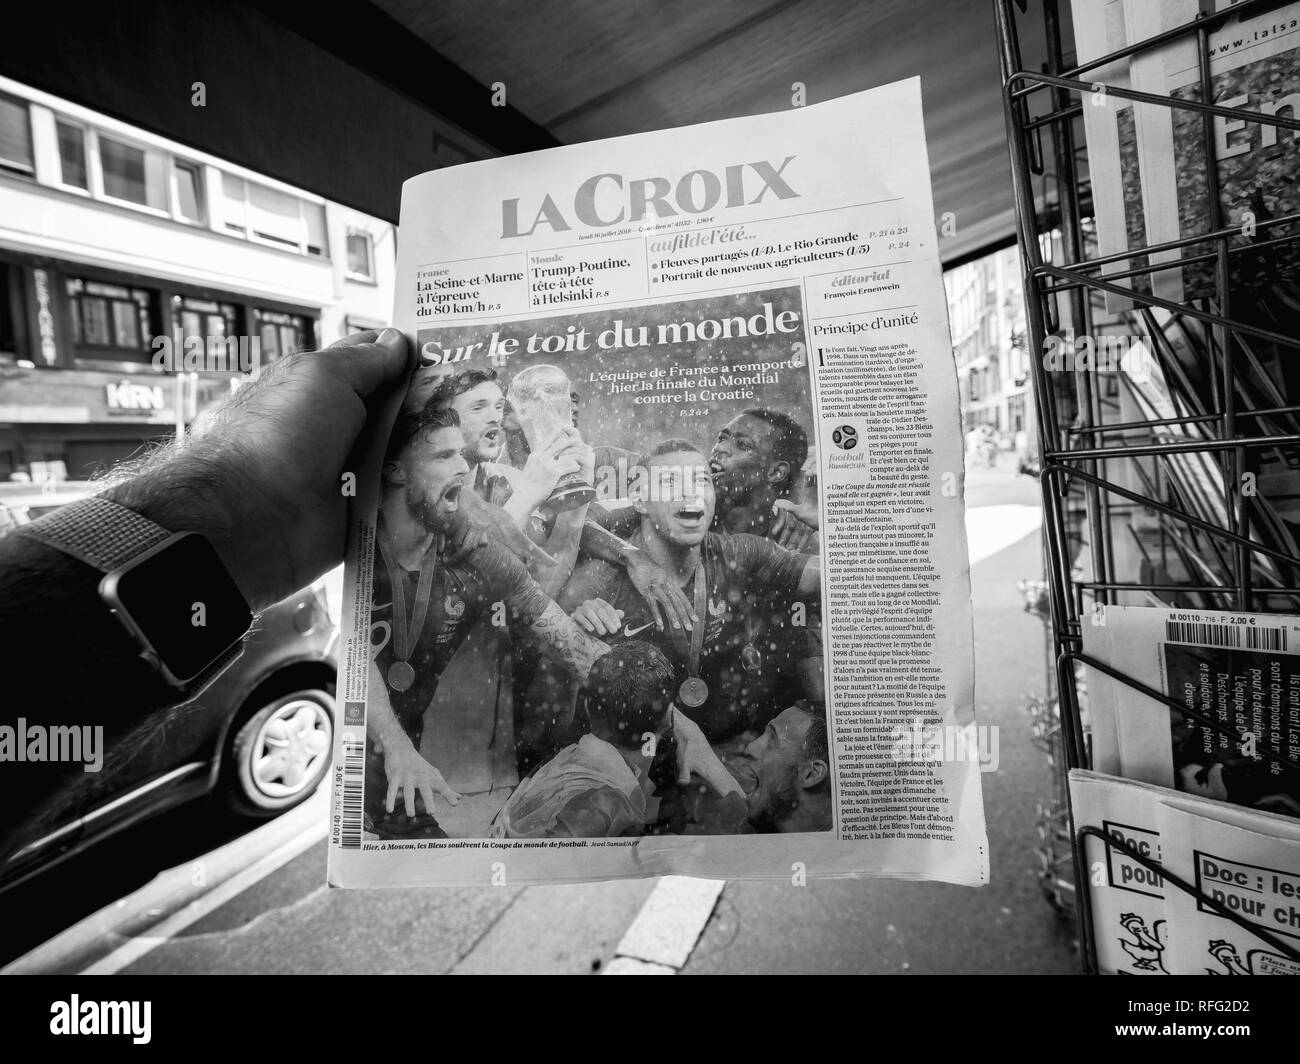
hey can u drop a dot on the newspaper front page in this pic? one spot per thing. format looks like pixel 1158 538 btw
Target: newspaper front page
pixel 1146 924
pixel 1240 670
pixel 663 567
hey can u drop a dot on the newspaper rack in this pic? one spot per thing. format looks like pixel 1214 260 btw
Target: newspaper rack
pixel 1052 205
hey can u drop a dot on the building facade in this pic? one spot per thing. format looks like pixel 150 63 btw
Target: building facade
pixel 986 310
pixel 119 248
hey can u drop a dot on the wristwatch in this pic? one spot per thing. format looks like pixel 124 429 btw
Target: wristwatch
pixel 168 590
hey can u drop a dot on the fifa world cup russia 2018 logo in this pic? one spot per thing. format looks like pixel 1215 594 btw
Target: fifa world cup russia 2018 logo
pixel 845 437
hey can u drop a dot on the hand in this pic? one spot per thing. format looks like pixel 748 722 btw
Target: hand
pixel 408 774
pixel 696 757
pixel 586 457
pixel 547 464
pixel 660 592
pixel 598 617
pixel 263 478
pixel 477 521
pixel 794 526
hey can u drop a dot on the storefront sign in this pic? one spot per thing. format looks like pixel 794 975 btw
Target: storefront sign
pixel 44 318
pixel 128 396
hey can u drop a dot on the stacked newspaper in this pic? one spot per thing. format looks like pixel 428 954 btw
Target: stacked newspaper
pixel 1144 923
pixel 1150 170
pixel 1240 671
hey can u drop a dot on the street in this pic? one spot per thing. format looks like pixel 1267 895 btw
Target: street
pixel 288 921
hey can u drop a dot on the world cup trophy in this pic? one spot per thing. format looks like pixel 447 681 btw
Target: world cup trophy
pixel 540 397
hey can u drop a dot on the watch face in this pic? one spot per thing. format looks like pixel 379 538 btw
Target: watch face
pixel 180 598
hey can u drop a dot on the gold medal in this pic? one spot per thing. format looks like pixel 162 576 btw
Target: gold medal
pixel 401 675
pixel 406 630
pixel 750 659
pixel 694 692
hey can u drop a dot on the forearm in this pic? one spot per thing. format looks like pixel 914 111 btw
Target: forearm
pixel 598 542
pixel 520 507
pixel 562 545
pixel 810 580
pixel 381 723
pixel 70 664
pixel 562 640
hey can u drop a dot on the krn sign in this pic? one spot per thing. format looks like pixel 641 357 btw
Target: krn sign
pixel 129 396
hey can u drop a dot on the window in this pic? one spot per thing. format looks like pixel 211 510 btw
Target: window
pixel 10 302
pixel 188 189
pixel 234 210
pixel 314 215
pixel 283 334
pixel 72 155
pixel 202 317
pixel 1016 413
pixel 110 321
pixel 271 216
pixel 132 174
pixel 360 255
pixel 15 137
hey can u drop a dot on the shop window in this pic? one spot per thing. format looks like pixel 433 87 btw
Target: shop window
pixel 283 334
pixel 205 318
pixel 10 307
pixel 16 137
pixel 111 323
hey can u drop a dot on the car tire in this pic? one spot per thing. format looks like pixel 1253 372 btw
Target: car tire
pixel 279 754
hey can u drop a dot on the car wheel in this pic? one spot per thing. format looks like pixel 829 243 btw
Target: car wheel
pixel 280 753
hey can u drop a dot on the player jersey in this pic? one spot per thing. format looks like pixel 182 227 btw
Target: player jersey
pixel 463 594
pixel 751 583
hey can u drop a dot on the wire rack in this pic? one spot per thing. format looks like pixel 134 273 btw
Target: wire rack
pixel 1204 540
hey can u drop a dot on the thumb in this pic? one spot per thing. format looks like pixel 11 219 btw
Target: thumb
pixel 368 361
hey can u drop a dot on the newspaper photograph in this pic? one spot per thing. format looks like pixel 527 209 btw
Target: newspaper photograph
pixel 1241 671
pixel 662 567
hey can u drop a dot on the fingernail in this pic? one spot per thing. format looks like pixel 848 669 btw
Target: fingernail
pixel 388 337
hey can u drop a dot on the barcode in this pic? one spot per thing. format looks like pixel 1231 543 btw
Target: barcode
pixel 1225 635
pixel 354 780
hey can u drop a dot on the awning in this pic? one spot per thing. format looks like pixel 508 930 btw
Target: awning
pixel 348 99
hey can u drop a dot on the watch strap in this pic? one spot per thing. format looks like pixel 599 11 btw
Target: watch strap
pixel 97 531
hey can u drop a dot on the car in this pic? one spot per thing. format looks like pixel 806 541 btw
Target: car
pixel 258 737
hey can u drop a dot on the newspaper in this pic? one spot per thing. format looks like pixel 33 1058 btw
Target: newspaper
pixel 662 568
pixel 1254 65
pixel 1111 134
pixel 1241 670
pixel 1145 924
